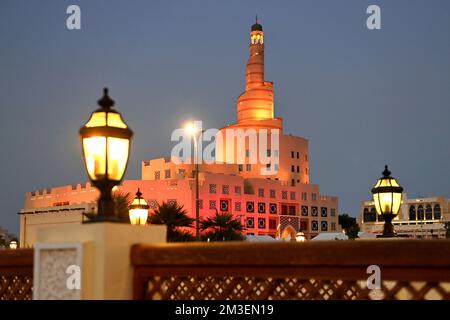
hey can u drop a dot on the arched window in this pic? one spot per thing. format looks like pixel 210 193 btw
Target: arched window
pixel 376 216
pixel 369 216
pixel 420 212
pixel 437 211
pixel 412 213
pixel 428 212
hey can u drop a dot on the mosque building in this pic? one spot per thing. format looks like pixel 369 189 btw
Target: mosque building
pixel 274 198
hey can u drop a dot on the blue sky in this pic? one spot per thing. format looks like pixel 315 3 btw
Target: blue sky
pixel 363 98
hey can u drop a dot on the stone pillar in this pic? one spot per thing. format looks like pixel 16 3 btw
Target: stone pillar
pixel 100 251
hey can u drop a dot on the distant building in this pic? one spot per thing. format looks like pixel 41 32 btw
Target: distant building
pixel 278 205
pixel 417 218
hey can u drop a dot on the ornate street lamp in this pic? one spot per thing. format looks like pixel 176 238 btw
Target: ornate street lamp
pixel 387 196
pixel 139 210
pixel 105 140
pixel 300 237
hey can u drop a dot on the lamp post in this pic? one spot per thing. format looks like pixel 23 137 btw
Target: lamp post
pixel 13 244
pixel 195 134
pixel 105 140
pixel 387 196
pixel 139 210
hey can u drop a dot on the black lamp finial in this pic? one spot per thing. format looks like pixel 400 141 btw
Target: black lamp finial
pixel 105 102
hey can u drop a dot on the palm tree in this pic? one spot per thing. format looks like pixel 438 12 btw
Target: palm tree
pixel 222 227
pixel 175 217
pixel 122 201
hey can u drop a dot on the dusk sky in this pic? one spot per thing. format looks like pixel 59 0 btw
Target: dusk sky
pixel 363 98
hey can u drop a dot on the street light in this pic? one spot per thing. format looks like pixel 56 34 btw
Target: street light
pixel 105 140
pixel 13 244
pixel 193 131
pixel 387 196
pixel 139 210
pixel 300 237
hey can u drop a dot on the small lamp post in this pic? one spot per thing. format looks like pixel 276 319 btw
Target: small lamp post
pixel 387 196
pixel 105 140
pixel 13 244
pixel 139 210
pixel 300 237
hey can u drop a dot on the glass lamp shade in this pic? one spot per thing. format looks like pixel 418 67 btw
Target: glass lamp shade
pixel 105 142
pixel 13 244
pixel 300 237
pixel 138 210
pixel 387 194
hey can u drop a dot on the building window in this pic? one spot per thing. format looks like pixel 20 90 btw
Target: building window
pixel 314 197
pixel 224 205
pixel 182 172
pixel 420 212
pixel 437 211
pixel 261 192
pixel 237 206
pixel 261 223
pixel 412 213
pixel 250 206
pixel 268 166
pixel 298 169
pixel 323 212
pixel 241 167
pixel 152 203
pixel 157 175
pixel 306 157
pixel 333 226
pixel 292 154
pixel 268 152
pixel 275 153
pixel 284 194
pixel 247 153
pixel 292 168
pixel 212 204
pixel 250 222
pixel 212 188
pixel 428 212
pixel 314 225
pixel 172 202
pixel 272 193
pixel 369 216
pixel 314 211
pixel 304 211
pixel 324 226
pixel 273 208
pixel 298 155
pixel 304 196
pixel 248 167
pixel 237 190
pixel 333 212
pixel 277 167
pixel 167 174
pixel 304 225
pixel 293 183
pixel 306 171
pixel 292 210
pixel 284 209
pixel 261 207
pixel 292 195
pixel 225 189
pixel 272 224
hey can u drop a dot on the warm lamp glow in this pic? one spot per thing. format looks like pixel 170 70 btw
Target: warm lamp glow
pixel 138 210
pixel 13 244
pixel 190 128
pixel 387 195
pixel 300 237
pixel 105 140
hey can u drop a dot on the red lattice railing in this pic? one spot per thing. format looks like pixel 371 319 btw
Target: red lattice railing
pixel 16 274
pixel 410 269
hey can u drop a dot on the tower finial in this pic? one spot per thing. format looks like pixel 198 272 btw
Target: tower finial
pixel 256 19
